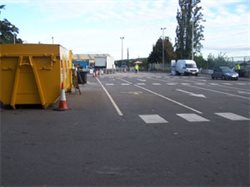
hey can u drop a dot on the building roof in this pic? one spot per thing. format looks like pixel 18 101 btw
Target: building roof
pixel 90 57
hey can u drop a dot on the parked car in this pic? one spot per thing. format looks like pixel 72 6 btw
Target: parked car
pixel 225 73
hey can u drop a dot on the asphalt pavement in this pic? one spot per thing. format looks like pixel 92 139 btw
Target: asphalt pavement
pixel 133 129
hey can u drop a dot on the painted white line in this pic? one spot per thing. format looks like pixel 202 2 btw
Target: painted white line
pixel 185 83
pixel 162 96
pixel 173 101
pixel 241 83
pixel 191 93
pixel 171 83
pixel 192 117
pixel 156 84
pixel 220 92
pixel 214 84
pixel 109 84
pixel 232 116
pixel 200 83
pixel 142 80
pixel 226 83
pixel 152 118
pixel 243 92
pixel 125 84
pixel 140 83
pixel 111 99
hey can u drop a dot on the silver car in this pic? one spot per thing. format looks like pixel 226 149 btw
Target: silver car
pixel 225 73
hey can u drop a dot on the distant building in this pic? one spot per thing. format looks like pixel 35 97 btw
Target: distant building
pixel 94 60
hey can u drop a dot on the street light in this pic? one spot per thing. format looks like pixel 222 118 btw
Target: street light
pixel 52 38
pixel 122 47
pixel 14 38
pixel 163 28
pixel 192 45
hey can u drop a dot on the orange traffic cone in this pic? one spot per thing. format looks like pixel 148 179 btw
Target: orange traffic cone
pixel 63 103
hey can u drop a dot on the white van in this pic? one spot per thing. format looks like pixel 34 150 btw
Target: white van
pixel 186 67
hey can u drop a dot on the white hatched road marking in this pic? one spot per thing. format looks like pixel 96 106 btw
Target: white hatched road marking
pixel 232 116
pixel 192 117
pixel 152 118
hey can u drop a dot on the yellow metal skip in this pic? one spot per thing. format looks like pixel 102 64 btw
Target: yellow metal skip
pixel 32 73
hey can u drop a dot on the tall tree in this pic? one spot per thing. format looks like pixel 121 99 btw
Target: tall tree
pixel 8 31
pixel 156 55
pixel 189 31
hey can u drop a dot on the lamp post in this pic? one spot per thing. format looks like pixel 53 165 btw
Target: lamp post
pixel 122 38
pixel 163 28
pixel 14 38
pixel 192 45
pixel 52 38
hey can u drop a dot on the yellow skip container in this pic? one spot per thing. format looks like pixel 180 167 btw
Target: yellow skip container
pixel 33 73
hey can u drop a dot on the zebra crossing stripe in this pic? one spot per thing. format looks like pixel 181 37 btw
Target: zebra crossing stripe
pixel 192 117
pixel 152 118
pixel 232 116
pixel 156 84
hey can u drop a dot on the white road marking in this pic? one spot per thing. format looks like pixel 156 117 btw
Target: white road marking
pixel 140 83
pixel 193 117
pixel 171 83
pixel 156 84
pixel 191 93
pixel 220 92
pixel 133 92
pixel 214 84
pixel 200 83
pixel 125 84
pixel 111 99
pixel 185 83
pixel 226 83
pixel 243 92
pixel 173 101
pixel 152 118
pixel 109 84
pixel 162 96
pixel 142 80
pixel 232 116
pixel 241 83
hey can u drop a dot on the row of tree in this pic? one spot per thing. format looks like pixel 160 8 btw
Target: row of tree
pixel 8 31
pixel 189 34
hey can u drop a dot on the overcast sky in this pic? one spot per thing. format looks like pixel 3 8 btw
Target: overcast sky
pixel 95 26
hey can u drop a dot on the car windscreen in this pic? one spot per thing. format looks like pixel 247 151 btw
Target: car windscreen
pixel 191 66
pixel 227 70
